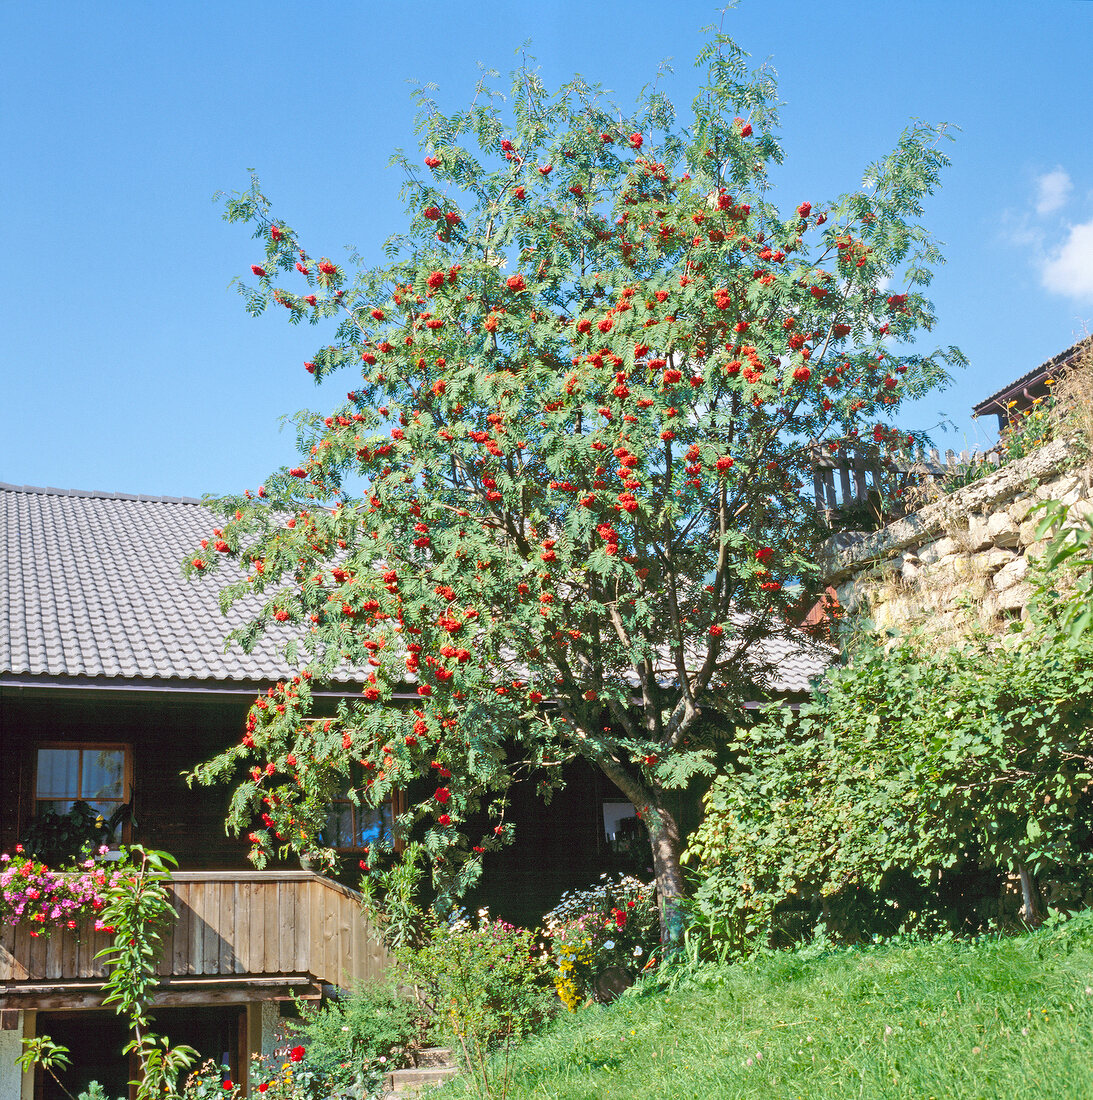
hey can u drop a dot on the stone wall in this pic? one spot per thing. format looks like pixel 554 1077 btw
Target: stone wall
pixel 963 559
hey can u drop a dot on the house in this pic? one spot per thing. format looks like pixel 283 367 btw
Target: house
pixel 1033 386
pixel 114 682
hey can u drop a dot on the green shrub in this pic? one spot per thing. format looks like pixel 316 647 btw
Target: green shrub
pixel 904 794
pixel 369 1028
pixel 484 984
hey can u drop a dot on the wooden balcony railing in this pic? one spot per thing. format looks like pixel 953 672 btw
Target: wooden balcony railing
pixel 243 928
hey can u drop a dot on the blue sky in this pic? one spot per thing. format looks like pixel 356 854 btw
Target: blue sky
pixel 126 362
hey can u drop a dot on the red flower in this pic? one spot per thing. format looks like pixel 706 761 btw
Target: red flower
pixel 296 1054
pixel 263 1086
pixel 227 1086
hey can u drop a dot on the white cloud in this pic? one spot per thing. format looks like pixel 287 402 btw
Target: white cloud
pixel 1052 191
pixel 1068 269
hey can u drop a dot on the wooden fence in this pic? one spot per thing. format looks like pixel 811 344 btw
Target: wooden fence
pixel 230 924
pixel 860 474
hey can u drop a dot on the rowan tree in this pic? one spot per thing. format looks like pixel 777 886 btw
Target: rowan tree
pixel 562 498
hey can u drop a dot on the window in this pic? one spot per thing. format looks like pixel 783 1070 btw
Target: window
pixel 96 774
pixel 353 827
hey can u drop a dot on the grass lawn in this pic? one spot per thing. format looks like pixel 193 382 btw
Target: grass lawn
pixel 999 1018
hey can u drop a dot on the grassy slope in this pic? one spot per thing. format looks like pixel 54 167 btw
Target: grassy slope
pixel 1006 1018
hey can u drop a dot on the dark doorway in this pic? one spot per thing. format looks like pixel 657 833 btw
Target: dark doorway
pixel 96 1040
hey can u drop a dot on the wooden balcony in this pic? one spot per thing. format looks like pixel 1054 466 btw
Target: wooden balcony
pixel 240 936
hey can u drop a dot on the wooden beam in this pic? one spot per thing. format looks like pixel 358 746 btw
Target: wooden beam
pixel 192 992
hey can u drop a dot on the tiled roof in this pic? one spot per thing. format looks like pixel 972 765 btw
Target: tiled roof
pixel 791 661
pixel 91 587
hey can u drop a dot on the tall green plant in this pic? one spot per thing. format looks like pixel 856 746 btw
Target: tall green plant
pixel 140 910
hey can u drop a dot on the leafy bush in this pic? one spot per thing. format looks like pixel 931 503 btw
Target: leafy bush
pixel 484 984
pixel 370 1030
pixel 905 793
pixel 611 924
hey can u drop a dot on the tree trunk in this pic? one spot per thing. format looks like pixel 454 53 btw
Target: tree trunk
pixel 665 843
pixel 1030 896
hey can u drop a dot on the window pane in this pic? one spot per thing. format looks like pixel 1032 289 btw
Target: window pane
pixel 339 826
pixel 55 807
pixel 371 825
pixel 103 774
pixel 105 809
pixel 58 773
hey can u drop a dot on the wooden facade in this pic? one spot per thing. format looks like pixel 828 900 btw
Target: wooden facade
pixel 239 935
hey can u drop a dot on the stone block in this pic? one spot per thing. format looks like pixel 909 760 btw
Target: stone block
pixel 1002 530
pixel 956 565
pixel 1014 598
pixel 1018 511
pixel 995 558
pixel 978 537
pixel 1010 574
pixel 938 549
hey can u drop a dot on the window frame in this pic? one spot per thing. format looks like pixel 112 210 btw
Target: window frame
pixel 124 747
pixel 396 804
